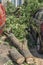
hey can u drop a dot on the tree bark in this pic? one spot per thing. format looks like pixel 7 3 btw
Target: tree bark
pixel 26 53
pixel 16 56
pixel 22 47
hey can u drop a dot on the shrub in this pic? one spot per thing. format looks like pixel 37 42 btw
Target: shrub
pixel 19 24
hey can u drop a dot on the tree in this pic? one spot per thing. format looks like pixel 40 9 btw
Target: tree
pixel 40 1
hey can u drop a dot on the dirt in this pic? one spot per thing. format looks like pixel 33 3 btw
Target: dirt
pixel 38 58
pixel 4 49
pixel 4 52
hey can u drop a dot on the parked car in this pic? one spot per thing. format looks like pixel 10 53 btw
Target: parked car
pixel 38 17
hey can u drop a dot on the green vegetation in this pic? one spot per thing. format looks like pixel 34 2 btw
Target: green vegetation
pixel 21 19
pixel 9 63
pixel 40 1
pixel 29 64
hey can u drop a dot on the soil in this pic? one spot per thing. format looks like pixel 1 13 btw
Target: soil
pixel 38 58
pixel 4 49
pixel 4 52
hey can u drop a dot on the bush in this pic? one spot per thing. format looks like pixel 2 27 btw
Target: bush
pixel 17 28
pixel 19 24
pixel 40 1
pixel 10 8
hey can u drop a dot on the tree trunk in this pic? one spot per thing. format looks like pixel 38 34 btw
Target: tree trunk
pixel 22 47
pixel 16 56
pixel 26 53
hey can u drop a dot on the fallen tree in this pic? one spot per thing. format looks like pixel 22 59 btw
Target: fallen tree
pixel 22 47
pixel 16 56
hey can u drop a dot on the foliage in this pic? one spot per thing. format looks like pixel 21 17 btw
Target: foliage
pixel 29 64
pixel 10 8
pixel 17 28
pixel 40 1
pixel 24 20
pixel 9 63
